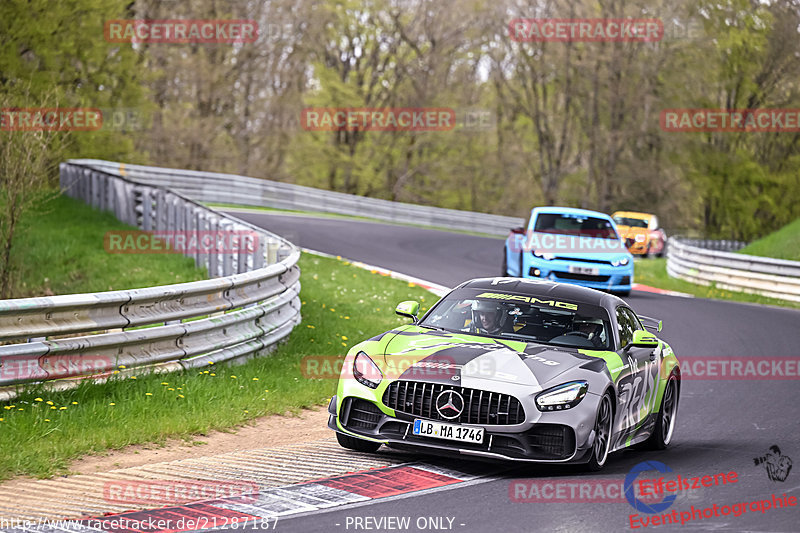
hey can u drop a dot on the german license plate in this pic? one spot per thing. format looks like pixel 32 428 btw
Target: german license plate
pixel 591 271
pixel 441 430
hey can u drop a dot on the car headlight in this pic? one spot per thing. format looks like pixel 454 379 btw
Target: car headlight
pixel 641 237
pixel 620 262
pixel 544 255
pixel 562 397
pixel 366 371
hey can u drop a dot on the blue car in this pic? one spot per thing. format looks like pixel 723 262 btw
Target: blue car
pixel 572 246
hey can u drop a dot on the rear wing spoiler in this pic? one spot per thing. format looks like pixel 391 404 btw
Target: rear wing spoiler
pixel 651 324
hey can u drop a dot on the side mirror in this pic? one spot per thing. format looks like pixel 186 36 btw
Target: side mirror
pixel 408 309
pixel 643 339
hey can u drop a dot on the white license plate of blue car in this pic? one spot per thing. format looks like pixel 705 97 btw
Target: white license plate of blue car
pixel 591 271
pixel 443 430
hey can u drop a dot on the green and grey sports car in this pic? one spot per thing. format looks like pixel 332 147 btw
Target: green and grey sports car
pixel 512 369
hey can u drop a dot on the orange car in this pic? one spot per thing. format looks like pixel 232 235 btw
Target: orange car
pixel 641 233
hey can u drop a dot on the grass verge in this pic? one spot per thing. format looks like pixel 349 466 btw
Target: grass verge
pixel 653 272
pixel 781 244
pixel 59 250
pixel 41 432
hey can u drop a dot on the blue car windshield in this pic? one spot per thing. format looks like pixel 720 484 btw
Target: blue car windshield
pixel 573 224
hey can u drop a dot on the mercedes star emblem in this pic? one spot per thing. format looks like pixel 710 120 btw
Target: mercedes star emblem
pixel 449 404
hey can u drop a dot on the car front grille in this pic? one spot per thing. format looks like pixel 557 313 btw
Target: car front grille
pixel 581 277
pixel 360 414
pixel 416 398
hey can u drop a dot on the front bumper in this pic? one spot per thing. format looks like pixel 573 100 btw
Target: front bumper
pixel 560 438
pixel 608 277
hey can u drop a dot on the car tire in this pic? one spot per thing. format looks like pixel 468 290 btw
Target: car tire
pixel 603 425
pixel 665 420
pixel 359 445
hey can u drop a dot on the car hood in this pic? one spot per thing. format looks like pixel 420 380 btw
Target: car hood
pixel 421 354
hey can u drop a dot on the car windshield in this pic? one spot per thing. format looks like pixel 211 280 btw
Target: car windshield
pixel 522 317
pixel 631 222
pixel 573 224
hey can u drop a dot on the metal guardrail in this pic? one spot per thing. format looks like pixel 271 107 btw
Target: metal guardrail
pixel 775 278
pixel 229 188
pixel 251 302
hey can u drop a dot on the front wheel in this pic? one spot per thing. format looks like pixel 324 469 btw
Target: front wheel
pixel 359 445
pixel 665 422
pixel 602 435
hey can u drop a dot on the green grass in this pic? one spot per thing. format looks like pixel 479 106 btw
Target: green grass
pixel 59 250
pixel 342 305
pixel 653 272
pixel 782 244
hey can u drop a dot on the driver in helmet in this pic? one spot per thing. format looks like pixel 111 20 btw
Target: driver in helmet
pixel 487 317
pixel 590 328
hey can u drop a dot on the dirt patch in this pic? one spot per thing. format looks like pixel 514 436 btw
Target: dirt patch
pixel 276 430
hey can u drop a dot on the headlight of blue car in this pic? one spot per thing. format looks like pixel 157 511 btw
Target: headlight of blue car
pixel 620 262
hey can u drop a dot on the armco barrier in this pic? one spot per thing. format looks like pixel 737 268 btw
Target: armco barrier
pixel 775 278
pixel 251 302
pixel 242 190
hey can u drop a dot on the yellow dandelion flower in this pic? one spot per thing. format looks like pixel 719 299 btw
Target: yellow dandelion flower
pixel 323 306
pixel 255 379
pixel 62 408
pixel 122 366
pixel 344 338
pixel 211 362
pixel 332 309
pixel 181 396
pixel 164 383
pixel 49 402
pixel 233 377
pixel 246 411
pixel 179 388
pixel 47 420
pixel 411 284
pixel 20 409
pixel 212 374
pixel 148 393
pixel 205 372
pixel 170 388
pixel 339 257
pixel 112 404
pixel 266 390
pixel 347 318
pixel 54 407
pixel 74 403
pixel 7 407
pixel 1 419
pixel 310 326
pixel 344 344
pixel 116 371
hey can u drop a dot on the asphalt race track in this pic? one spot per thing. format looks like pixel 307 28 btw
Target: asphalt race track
pixel 722 424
